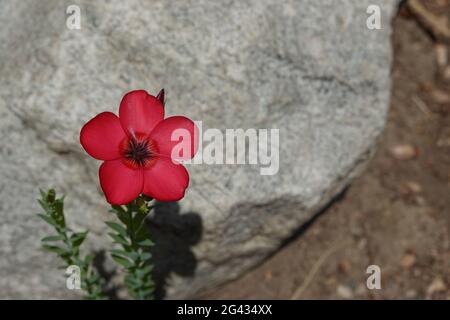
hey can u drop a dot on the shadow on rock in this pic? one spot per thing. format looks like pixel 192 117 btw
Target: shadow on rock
pixel 174 234
pixel 304 227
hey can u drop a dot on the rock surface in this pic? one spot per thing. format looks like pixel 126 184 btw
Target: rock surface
pixel 312 69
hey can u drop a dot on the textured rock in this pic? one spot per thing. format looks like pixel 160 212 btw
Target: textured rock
pixel 310 68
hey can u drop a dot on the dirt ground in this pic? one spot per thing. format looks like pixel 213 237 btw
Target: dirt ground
pixel 397 214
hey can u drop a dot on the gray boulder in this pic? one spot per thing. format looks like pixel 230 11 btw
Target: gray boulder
pixel 311 69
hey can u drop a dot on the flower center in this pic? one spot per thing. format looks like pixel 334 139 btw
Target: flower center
pixel 138 151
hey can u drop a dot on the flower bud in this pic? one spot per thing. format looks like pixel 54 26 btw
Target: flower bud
pixel 51 195
pixel 160 96
pixel 142 205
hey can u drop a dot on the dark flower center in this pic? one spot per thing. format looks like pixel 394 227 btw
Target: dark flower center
pixel 137 151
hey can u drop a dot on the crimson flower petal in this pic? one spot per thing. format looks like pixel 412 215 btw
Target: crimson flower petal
pixel 102 135
pixel 176 137
pixel 165 180
pixel 140 112
pixel 119 183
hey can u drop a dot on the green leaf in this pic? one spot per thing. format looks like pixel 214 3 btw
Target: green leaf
pixel 123 217
pixel 53 238
pixel 119 239
pixel 93 278
pixel 56 249
pixel 122 261
pixel 146 256
pixel 79 262
pixel 97 291
pixel 138 218
pixel 147 293
pixel 44 205
pixel 48 219
pixel 117 227
pixel 138 222
pixel 116 208
pixel 121 213
pixel 146 243
pixel 88 259
pixel 78 238
pixel 132 282
pixel 64 229
pixel 129 255
pixel 147 269
pixel 144 271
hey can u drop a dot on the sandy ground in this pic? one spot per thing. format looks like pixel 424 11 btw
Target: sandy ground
pixel 397 214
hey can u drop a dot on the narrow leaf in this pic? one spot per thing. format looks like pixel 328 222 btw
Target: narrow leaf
pixel 122 261
pixel 52 238
pixel 129 255
pixel 48 219
pixel 88 259
pixel 55 249
pixel 144 271
pixel 133 282
pixel 117 227
pixel 119 239
pixel 146 243
pixel 78 238
pixel 145 256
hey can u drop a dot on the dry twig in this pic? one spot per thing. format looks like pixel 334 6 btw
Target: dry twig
pixel 298 293
pixel 438 25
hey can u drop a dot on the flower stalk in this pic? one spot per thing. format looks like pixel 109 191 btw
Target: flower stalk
pixel 132 237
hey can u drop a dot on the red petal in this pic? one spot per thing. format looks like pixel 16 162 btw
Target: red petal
pixel 165 181
pixel 140 112
pixel 120 183
pixel 102 135
pixel 180 129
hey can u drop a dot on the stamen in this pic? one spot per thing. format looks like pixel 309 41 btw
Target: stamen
pixel 138 151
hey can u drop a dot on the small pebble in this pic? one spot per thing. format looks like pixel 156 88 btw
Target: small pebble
pixel 403 152
pixel 440 96
pixel 344 292
pixel 411 294
pixel 408 260
pixel 437 285
pixel 441 54
pixel 414 186
pixel 344 266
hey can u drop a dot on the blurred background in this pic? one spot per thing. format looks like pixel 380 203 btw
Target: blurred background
pixel 397 214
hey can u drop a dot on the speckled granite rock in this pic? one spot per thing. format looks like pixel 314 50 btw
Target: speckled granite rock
pixel 310 68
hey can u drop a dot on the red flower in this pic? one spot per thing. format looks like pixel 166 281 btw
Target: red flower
pixel 137 149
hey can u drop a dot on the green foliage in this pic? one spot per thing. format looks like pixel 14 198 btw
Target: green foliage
pixel 133 255
pixel 128 233
pixel 66 244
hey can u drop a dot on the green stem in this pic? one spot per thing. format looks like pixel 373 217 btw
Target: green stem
pixel 134 256
pixel 130 227
pixel 66 244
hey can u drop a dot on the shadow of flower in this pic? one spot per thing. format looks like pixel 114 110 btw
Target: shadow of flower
pixel 174 235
